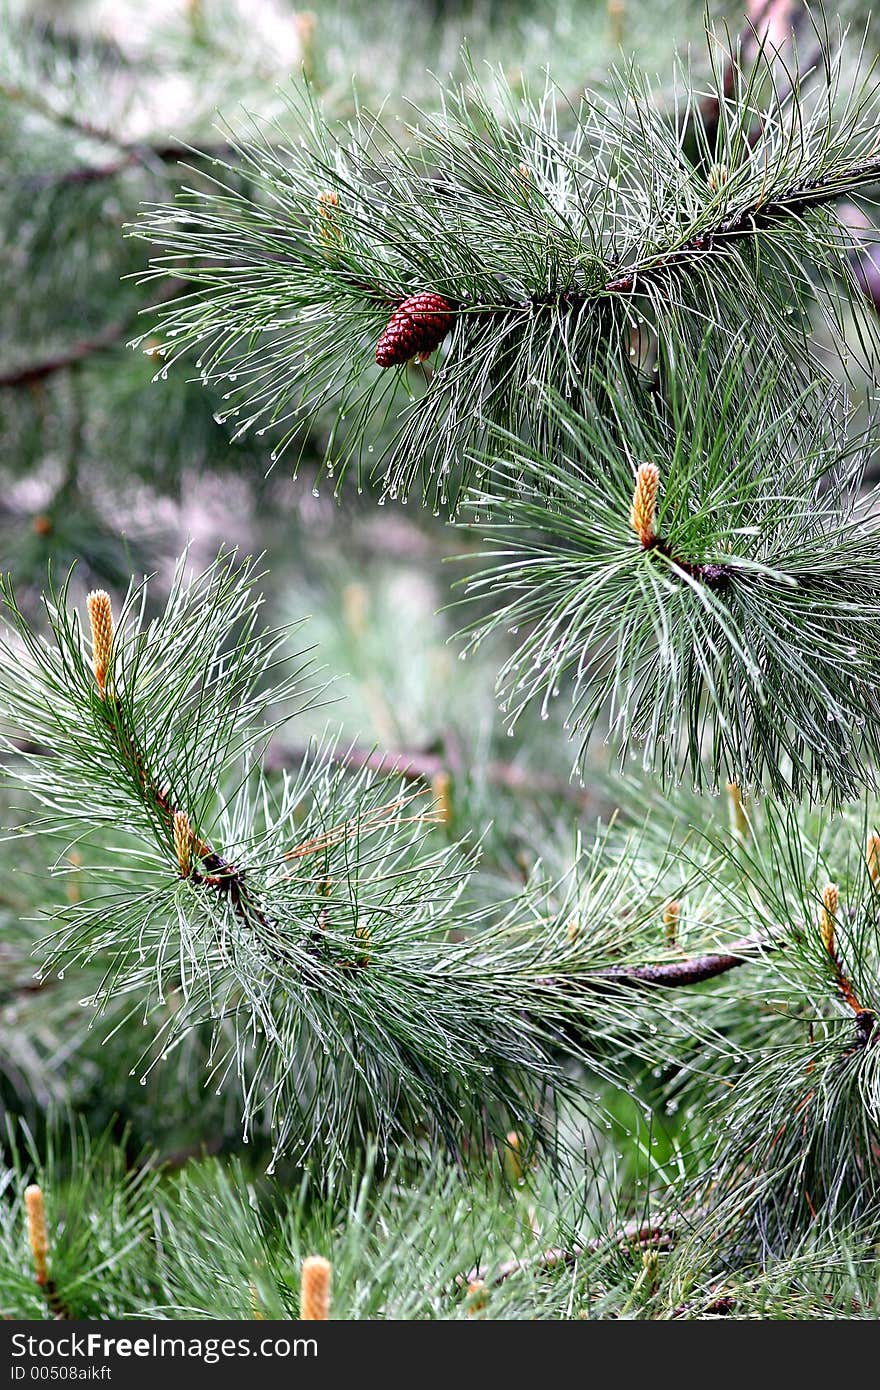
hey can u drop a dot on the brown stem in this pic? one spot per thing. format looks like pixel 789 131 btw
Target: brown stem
pixel 692 971
pixel 70 119
pixel 415 766
pixel 102 341
pixel 33 372
pixel 55 1303
pixel 736 226
pixel 721 1306
pixel 640 1234
pixel 133 156
pixel 35 986
pixel 795 200
pixel 866 1029
pixel 131 152
pixel 222 877
pixel 845 987
pixel 714 576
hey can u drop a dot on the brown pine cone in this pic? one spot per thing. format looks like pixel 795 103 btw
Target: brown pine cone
pixel 416 328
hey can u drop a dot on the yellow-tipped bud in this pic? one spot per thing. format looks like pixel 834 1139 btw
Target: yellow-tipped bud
pixel 478 1297
pixel 513 1169
pixel 328 226
pixel 671 915
pixel 830 905
pixel 616 18
pixel 739 818
pixel 306 25
pixel 362 932
pixel 644 503
pixel 441 788
pixel 573 931
pixel 651 1266
pixel 314 1302
pixel 183 842
pixel 718 176
pixel 101 619
pixel 873 857
pixel 38 1231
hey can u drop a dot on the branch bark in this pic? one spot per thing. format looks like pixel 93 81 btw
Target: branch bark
pixel 692 970
pixel 628 278
pixel 32 372
pixel 418 766
pixel 132 157
pixel 747 222
pixel 656 1235
pixel 104 340
pixel 221 876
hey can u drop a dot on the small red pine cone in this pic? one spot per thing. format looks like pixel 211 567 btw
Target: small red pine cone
pixel 416 328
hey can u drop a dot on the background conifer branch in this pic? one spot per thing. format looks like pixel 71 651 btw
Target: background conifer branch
pixel 611 1046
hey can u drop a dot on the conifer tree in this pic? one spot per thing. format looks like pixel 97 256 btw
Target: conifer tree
pixel 502 1042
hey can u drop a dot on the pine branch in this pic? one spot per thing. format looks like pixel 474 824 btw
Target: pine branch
pixel 716 237
pixel 690 632
pixel 552 278
pixel 220 875
pixel 693 970
pixel 140 155
pixel 174 822
pixel 419 766
pixel 346 977
pixel 31 373
pixel 797 1116
pixel 81 1214
pixel 112 336
pixel 26 987
pixel 634 277
pixel 657 1234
